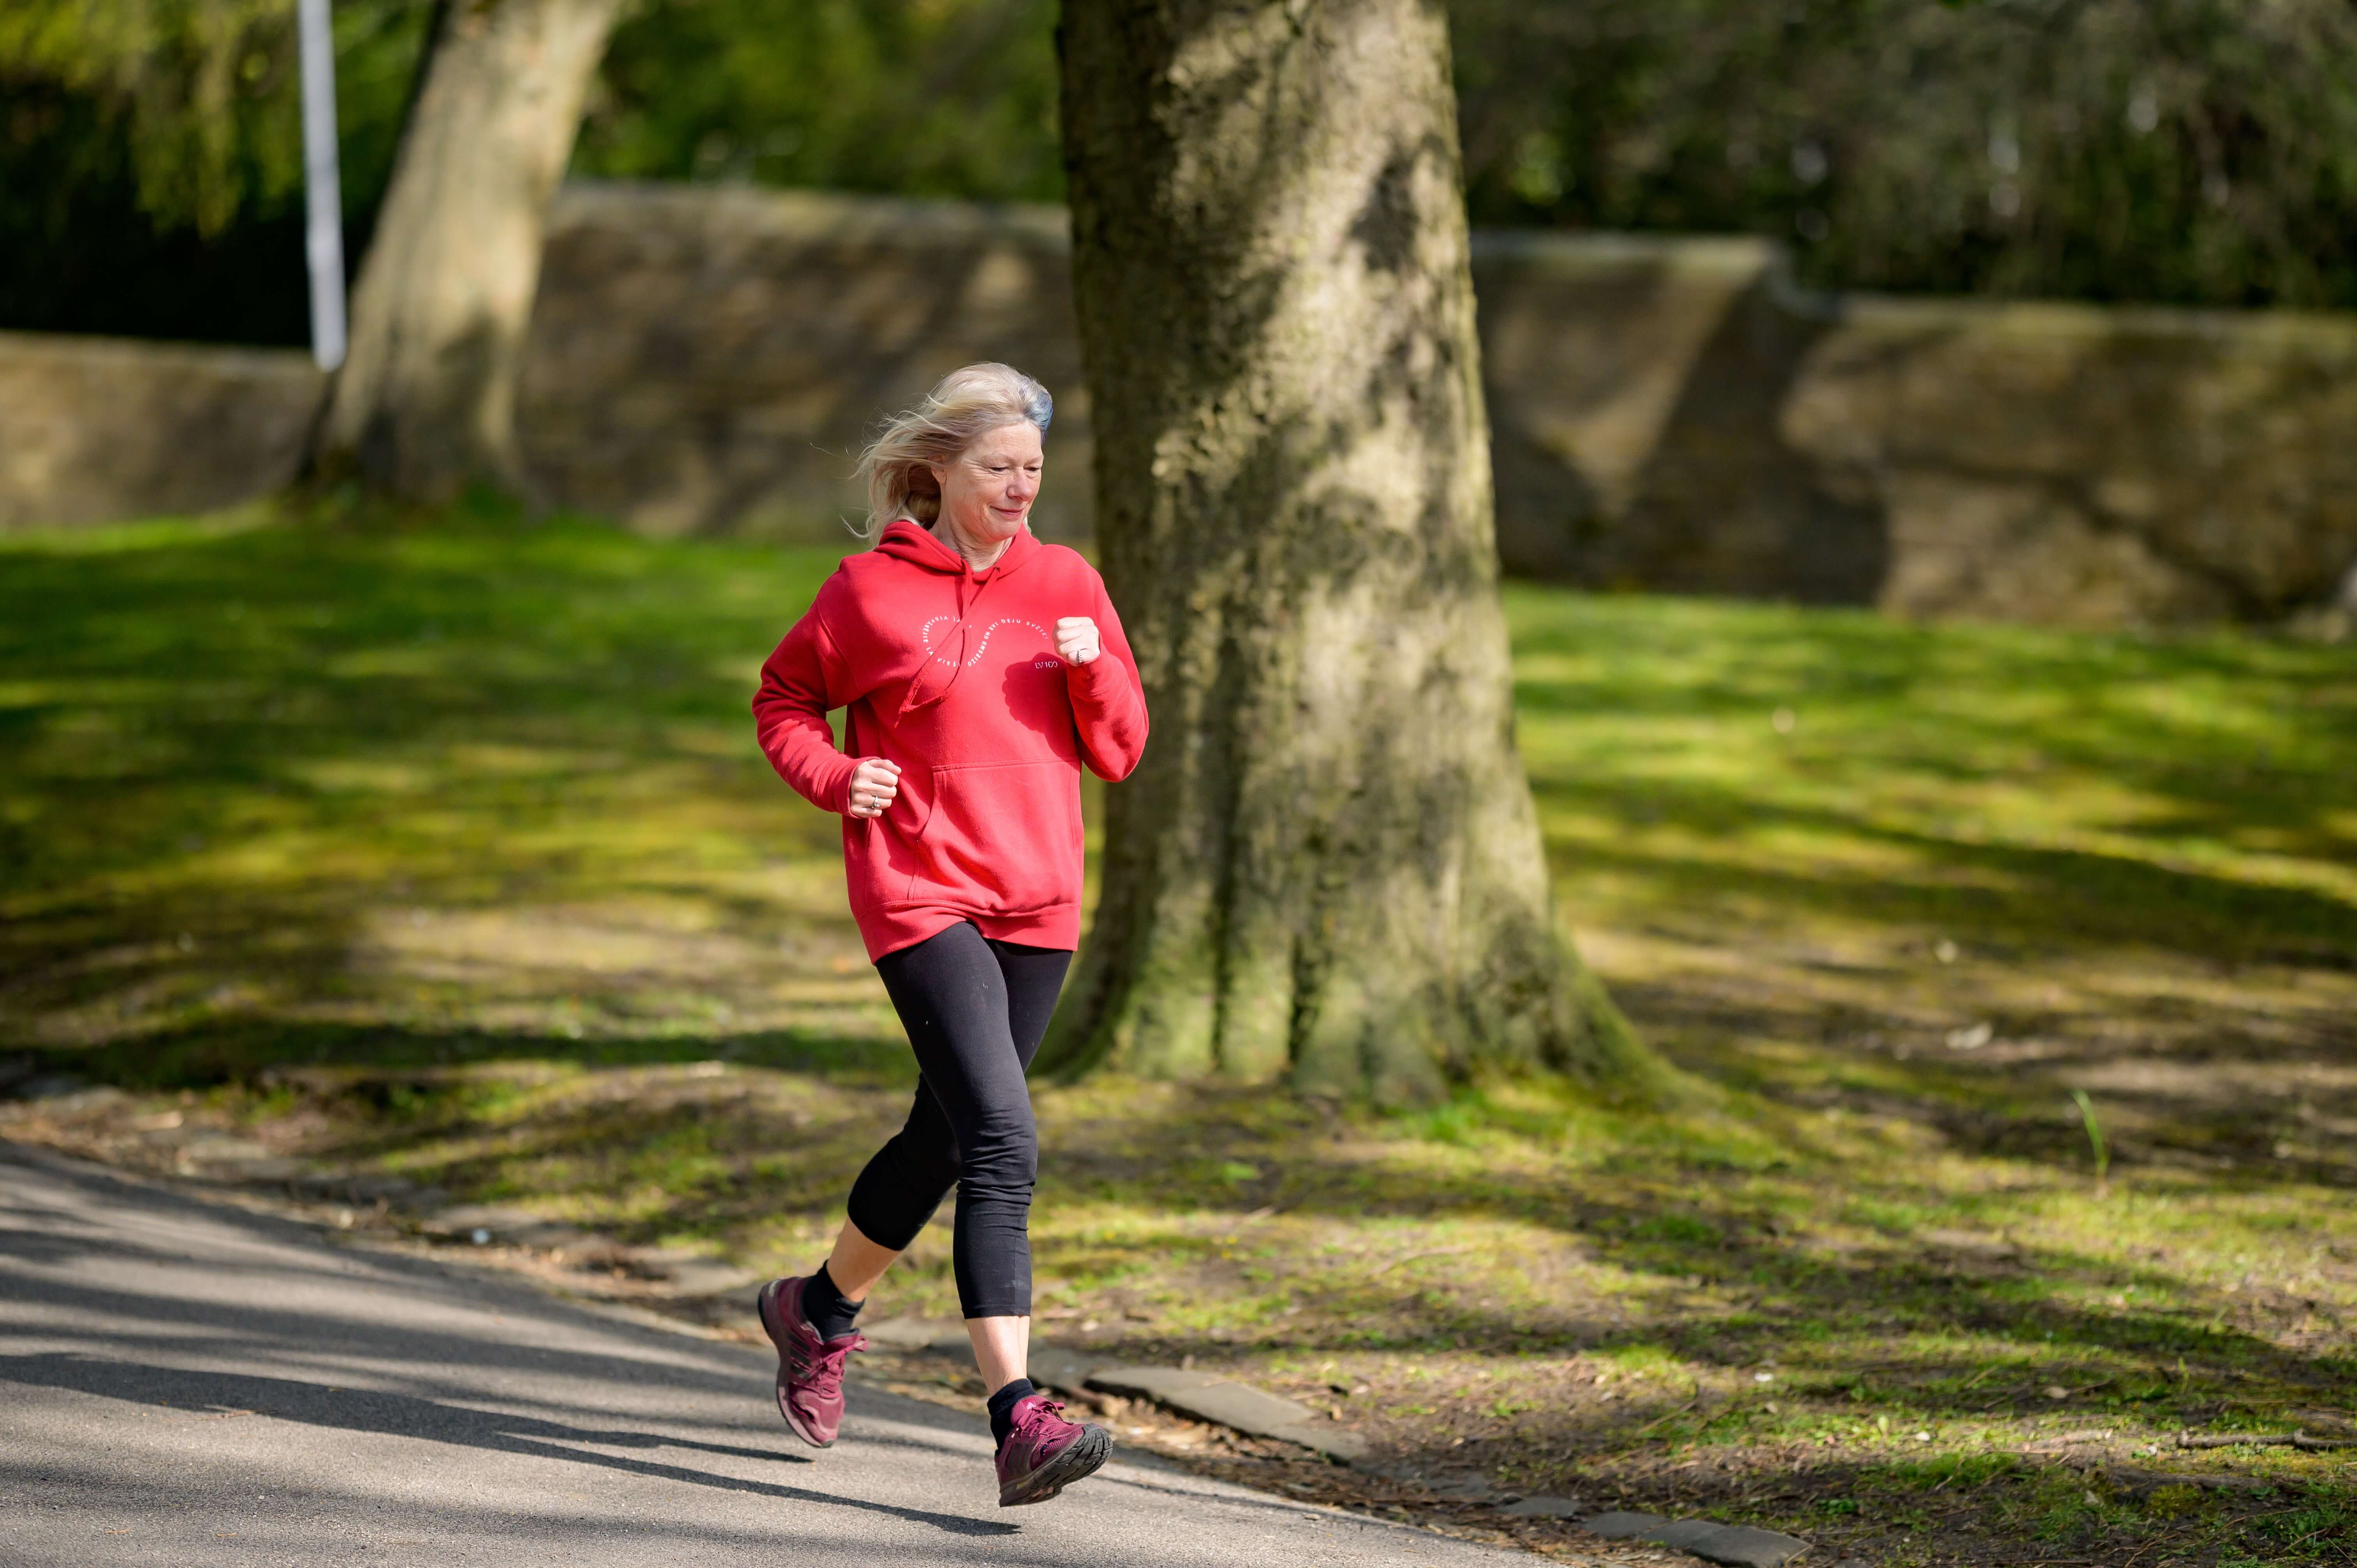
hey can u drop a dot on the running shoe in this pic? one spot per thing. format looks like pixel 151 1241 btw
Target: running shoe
pixel 810 1369
pixel 1045 1453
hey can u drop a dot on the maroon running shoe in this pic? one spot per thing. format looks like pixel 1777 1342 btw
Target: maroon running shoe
pixel 810 1369
pixel 1045 1453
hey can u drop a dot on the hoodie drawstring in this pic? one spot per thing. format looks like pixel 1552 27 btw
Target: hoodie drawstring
pixel 923 692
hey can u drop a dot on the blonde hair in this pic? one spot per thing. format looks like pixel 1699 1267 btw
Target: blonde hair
pixel 967 404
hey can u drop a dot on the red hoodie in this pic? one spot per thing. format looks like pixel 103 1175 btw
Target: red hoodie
pixel 953 674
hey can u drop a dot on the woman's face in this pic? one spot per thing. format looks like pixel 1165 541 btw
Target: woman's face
pixel 987 489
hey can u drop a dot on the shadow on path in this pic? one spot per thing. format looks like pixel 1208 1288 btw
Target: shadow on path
pixel 205 1393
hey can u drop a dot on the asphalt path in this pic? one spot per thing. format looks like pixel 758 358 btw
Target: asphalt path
pixel 186 1383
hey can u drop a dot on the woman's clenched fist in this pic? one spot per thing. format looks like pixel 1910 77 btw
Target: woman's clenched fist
pixel 874 784
pixel 1076 640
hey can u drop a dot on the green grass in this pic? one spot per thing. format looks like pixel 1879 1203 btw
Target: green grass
pixel 442 849
pixel 2001 784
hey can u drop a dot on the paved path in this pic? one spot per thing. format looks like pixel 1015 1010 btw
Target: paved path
pixel 190 1385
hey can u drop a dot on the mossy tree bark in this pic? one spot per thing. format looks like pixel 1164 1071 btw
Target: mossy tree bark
pixel 426 402
pixel 1329 868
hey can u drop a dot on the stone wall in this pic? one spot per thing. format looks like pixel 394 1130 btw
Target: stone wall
pixel 2076 466
pixel 1672 415
pixel 1637 390
pixel 93 429
pixel 1668 412
pixel 706 359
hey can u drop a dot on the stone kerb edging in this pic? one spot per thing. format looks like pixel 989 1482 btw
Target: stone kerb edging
pixel 1208 1396
pixel 1731 1546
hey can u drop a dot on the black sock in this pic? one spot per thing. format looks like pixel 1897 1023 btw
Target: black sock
pixel 1002 1407
pixel 825 1308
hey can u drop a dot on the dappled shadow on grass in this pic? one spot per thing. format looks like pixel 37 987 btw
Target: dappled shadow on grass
pixel 1998 1510
pixel 646 1137
pixel 1941 877
pixel 2051 898
pixel 2233 730
pixel 1727 1273
pixel 263 1053
pixel 1880 1273
pixel 2189 796
pixel 229 760
pixel 2224 1124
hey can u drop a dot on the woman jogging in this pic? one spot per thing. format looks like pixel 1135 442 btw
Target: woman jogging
pixel 981 670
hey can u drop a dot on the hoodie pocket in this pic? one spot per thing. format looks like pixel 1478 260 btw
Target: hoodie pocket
pixel 1001 837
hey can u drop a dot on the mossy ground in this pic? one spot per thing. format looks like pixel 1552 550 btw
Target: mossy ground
pixel 441 848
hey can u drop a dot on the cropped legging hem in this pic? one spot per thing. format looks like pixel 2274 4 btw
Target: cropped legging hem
pixel 976 1011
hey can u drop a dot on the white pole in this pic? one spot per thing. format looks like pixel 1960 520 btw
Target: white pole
pixel 323 195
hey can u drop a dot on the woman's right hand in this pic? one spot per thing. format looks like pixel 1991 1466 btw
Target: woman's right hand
pixel 874 784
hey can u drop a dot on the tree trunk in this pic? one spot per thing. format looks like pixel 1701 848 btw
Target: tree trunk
pixel 426 402
pixel 1328 867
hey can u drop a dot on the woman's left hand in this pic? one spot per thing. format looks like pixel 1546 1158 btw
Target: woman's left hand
pixel 1076 640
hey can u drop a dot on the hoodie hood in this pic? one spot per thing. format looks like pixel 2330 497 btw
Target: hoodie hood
pixel 915 545
pixel 920 547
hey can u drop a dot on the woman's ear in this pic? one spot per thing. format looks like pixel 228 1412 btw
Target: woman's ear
pixel 940 476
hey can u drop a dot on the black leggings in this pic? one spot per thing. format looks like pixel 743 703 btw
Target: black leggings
pixel 976 1011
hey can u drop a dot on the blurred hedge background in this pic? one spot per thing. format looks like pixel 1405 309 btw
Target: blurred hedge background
pixel 2196 151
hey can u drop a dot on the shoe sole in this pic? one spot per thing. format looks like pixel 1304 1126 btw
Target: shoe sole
pixel 1082 1458
pixel 762 1310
